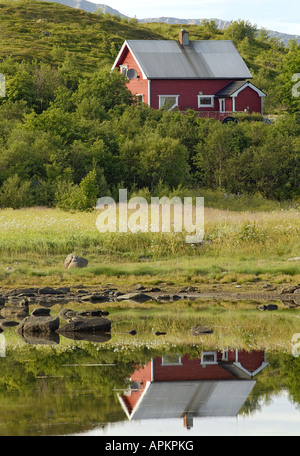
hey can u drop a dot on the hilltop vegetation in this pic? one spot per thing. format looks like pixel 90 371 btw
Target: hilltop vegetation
pixel 70 131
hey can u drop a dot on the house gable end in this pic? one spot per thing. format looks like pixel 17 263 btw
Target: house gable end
pixel 251 86
pixel 125 50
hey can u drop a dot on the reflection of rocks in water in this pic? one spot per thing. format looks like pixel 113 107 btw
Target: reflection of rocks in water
pixel 290 289
pixel 99 336
pixel 291 303
pixel 40 339
pixel 69 314
pixel 8 324
pixel 86 325
pixel 269 307
pixel 294 299
pixel 14 312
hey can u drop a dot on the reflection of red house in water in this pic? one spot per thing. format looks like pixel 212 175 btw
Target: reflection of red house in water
pixel 218 384
pixel 208 76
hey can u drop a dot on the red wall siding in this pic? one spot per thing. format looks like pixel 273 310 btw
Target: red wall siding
pixel 191 369
pixel 248 97
pixel 228 104
pixel 251 360
pixel 188 90
pixel 138 86
pixel 142 376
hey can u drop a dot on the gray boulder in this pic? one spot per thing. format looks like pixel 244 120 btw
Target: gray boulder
pixel 67 314
pixel 41 312
pixel 86 325
pixel 74 261
pixel 96 297
pixel 38 325
pixel 49 291
pixel 290 289
pixel 198 330
pixel 136 297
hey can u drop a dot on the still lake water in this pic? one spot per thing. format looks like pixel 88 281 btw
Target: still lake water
pixel 127 387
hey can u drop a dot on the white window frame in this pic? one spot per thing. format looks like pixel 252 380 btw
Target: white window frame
pixel 166 362
pixel 140 95
pixel 212 101
pixel 124 69
pixel 168 96
pixel 203 354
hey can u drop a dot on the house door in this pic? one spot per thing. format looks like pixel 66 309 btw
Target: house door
pixel 222 104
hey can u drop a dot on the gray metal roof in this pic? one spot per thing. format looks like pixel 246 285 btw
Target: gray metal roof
pixel 164 59
pixel 234 86
pixel 201 398
pixel 231 88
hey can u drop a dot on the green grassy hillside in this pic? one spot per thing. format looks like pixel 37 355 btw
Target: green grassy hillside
pixel 44 31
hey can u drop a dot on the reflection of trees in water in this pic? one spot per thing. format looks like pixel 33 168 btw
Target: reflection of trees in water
pixel 283 373
pixel 57 390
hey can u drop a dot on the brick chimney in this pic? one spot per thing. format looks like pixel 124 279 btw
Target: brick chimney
pixel 184 37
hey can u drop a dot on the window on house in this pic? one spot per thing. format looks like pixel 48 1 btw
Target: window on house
pixel 140 98
pixel 205 101
pixel 168 101
pixel 124 69
pixel 209 357
pixel 171 360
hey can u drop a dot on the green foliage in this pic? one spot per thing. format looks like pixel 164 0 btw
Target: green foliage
pixel 239 31
pixel 82 197
pixel 290 77
pixel 71 131
pixel 105 89
pixel 15 193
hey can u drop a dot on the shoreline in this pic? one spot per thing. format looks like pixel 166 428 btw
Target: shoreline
pixel 46 296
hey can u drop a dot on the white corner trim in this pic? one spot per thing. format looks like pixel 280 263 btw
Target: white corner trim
pixel 149 92
pixel 233 104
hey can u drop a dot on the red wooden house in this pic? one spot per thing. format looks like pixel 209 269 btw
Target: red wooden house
pixel 217 384
pixel 207 76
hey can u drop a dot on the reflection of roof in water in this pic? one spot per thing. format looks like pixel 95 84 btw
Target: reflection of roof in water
pixel 201 398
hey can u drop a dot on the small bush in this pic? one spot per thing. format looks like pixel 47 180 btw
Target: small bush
pixel 16 193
